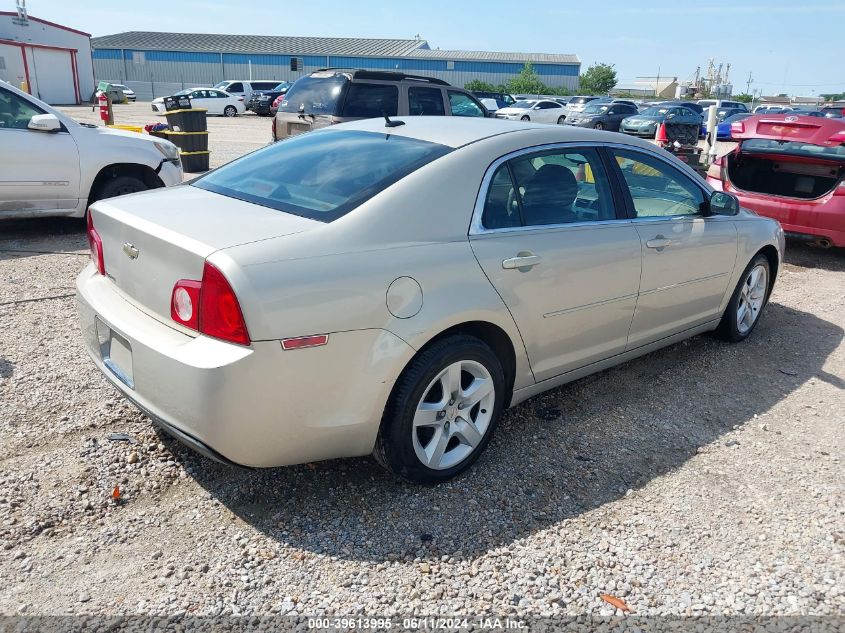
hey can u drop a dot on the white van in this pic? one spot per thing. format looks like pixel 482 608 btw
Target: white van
pixel 245 87
pixel 52 165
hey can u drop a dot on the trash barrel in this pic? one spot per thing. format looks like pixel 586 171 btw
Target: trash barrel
pixel 187 120
pixel 189 132
pixel 188 141
pixel 195 162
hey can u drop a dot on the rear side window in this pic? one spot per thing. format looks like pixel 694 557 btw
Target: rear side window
pixel 235 87
pixel 425 102
pixel 368 101
pixel 554 187
pixel 264 85
pixel 464 105
pixel 321 175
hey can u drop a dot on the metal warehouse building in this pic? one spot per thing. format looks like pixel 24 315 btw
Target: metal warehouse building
pixel 51 61
pixel 156 64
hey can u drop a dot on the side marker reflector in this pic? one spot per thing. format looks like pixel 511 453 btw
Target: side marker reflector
pixel 305 341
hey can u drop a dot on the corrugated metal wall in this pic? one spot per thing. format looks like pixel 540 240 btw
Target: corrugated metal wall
pixel 157 68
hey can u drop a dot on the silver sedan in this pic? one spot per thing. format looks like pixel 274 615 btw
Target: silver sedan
pixel 389 290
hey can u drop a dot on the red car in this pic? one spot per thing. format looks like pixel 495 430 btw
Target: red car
pixel 789 168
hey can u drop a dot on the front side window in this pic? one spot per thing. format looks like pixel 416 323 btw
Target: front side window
pixel 425 102
pixel 464 105
pixel 369 101
pixel 15 112
pixel 321 175
pixel 657 189
pixel 553 187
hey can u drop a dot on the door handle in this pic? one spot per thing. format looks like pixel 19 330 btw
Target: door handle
pixel 658 243
pixel 523 261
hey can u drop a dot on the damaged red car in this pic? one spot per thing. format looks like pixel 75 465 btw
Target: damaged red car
pixel 790 168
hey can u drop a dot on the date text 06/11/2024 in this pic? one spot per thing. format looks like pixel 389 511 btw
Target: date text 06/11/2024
pixel 423 623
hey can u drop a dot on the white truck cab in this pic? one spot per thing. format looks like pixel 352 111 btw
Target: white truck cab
pixel 52 165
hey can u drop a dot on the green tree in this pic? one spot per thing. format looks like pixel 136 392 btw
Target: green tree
pixel 744 98
pixel 477 84
pixel 527 82
pixel 598 79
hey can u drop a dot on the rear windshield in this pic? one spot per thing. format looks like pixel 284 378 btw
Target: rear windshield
pixel 315 95
pixel 654 111
pixel 794 148
pixel 321 175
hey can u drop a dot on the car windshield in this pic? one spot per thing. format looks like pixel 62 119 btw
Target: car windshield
pixel 321 175
pixel 794 148
pixel 523 105
pixel 182 93
pixel 579 100
pixel 281 86
pixel 596 109
pixel 222 85
pixel 315 95
pixel 654 112
pixel 736 117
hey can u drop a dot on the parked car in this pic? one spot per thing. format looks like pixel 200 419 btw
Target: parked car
pixel 602 116
pixel 262 102
pixel 833 112
pixel 331 96
pixel 789 168
pixel 723 104
pixel 646 122
pixel 492 105
pixel 807 112
pixel 281 317
pixel 772 109
pixel 691 105
pixel 245 88
pixel 578 103
pixel 502 97
pixel 723 130
pixel 215 101
pixel 56 166
pixel 126 93
pixel 543 111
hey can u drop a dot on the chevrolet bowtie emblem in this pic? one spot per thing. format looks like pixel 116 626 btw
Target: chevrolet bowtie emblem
pixel 130 250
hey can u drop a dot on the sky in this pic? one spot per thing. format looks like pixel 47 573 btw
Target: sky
pixel 788 46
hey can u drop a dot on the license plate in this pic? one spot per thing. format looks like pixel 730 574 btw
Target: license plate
pixel 116 353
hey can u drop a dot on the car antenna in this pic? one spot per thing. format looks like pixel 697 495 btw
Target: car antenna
pixel 389 123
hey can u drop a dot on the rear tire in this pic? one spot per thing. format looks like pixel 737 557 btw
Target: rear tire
pixel 525 118
pixel 230 111
pixel 120 186
pixel 442 412
pixel 598 126
pixel 561 120
pixel 747 302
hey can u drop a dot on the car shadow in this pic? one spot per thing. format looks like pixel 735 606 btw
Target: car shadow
pixel 39 236
pixel 553 457
pixel 805 256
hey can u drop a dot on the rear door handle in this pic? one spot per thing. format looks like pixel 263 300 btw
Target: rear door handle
pixel 658 243
pixel 522 261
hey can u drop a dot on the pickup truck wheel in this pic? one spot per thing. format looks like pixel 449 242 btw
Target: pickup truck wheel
pixel 120 186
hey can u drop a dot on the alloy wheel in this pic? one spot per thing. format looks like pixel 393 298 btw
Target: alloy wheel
pixel 751 298
pixel 453 415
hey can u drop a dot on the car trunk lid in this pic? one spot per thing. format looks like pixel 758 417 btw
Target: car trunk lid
pixel 153 239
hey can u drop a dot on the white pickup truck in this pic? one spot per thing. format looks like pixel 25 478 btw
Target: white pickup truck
pixel 51 165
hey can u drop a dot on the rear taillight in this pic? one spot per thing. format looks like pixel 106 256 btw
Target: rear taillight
pixel 840 190
pixel 95 243
pixel 185 303
pixel 209 306
pixel 839 137
pixel 716 169
pixel 737 127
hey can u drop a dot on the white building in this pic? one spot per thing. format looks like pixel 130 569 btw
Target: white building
pixel 53 61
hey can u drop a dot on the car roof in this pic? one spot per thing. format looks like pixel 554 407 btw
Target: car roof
pixel 460 131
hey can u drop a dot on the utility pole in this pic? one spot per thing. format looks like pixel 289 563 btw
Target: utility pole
pixel 748 83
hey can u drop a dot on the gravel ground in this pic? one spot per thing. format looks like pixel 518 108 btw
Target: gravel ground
pixel 702 479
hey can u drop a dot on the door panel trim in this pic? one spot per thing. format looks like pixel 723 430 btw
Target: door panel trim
pixel 683 283
pixel 589 305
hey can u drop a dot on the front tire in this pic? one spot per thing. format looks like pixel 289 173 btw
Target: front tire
pixel 230 111
pixel 442 412
pixel 561 120
pixel 747 302
pixel 525 118
pixel 599 126
pixel 120 186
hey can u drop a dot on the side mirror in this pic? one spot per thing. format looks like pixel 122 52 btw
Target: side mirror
pixel 722 203
pixel 45 123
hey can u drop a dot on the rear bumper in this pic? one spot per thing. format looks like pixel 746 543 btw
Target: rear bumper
pixel 805 219
pixel 257 406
